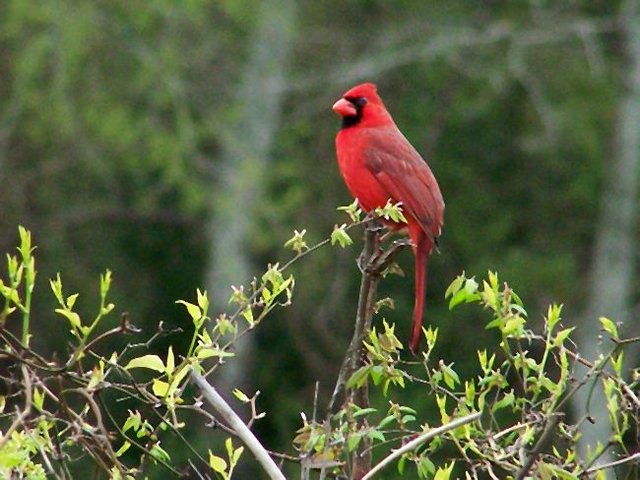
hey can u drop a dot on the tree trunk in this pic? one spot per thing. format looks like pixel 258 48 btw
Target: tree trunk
pixel 243 161
pixel 613 264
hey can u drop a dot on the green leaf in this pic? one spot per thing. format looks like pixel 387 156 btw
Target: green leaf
pixel 359 377
pixel 133 421
pixel 553 316
pixel 364 411
pixel 455 286
pixel 450 376
pixel 38 399
pixel 405 409
pixel 431 336
pixel 467 294
pixel 160 388
pixel 247 313
pixel 73 317
pixel 457 299
pixel 266 295
pixel 228 444
pixel 376 435
pixel 340 236
pixel 401 464
pixel 241 396
pixel 217 464
pixel 470 393
pixel 562 336
pixel 471 286
pixel 171 363
pixel 353 441
pixel 408 419
pixel 386 421
pixel 179 376
pixel 426 468
pixel 208 352
pixel 105 284
pixel 158 452
pixel 352 210
pixel 125 446
pixel 609 326
pixel 25 248
pixel 444 473
pixel 493 279
pixel 513 326
pixel 152 362
pixel 489 295
pixel 71 300
pixel 392 212
pixel 377 373
pixel 194 310
pixel 616 363
pixel 203 300
pixel 56 287
pixel 107 308
pixel 297 242
pixel 236 455
pixel 506 401
pixel 441 401
pixel 495 323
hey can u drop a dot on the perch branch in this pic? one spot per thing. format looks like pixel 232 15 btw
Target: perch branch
pixel 366 303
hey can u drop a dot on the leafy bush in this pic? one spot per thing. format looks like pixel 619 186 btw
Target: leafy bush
pixel 507 420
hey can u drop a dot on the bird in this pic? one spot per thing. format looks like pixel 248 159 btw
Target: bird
pixel 378 165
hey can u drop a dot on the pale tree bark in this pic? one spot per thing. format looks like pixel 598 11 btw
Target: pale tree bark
pixel 238 190
pixel 613 267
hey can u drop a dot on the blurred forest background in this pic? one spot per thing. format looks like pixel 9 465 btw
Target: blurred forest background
pixel 179 143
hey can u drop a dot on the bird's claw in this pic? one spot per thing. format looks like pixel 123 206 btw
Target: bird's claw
pixel 383 258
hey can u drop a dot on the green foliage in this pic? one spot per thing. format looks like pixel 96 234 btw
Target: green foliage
pixel 225 467
pixel 391 212
pixel 61 410
pixel 507 419
pixel 521 387
pixel 340 237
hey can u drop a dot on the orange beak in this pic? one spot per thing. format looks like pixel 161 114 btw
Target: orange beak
pixel 345 108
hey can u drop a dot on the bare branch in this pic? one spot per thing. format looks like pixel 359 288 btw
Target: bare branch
pixel 543 441
pixel 416 442
pixel 622 461
pixel 241 430
pixel 21 416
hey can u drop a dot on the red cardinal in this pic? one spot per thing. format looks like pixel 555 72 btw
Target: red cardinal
pixel 379 164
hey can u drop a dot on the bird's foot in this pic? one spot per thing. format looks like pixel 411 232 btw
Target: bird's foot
pixel 383 258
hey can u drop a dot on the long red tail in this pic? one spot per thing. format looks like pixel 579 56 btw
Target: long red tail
pixel 422 249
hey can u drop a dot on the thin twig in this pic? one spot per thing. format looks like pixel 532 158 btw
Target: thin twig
pixel 621 384
pixel 134 442
pixel 539 446
pixel 635 456
pixel 26 411
pixel 241 430
pixel 106 443
pixel 416 442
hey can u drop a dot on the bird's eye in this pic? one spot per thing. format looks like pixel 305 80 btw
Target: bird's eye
pixel 360 101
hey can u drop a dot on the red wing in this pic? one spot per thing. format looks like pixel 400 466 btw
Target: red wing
pixel 406 177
